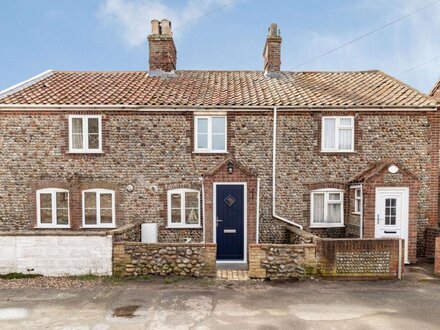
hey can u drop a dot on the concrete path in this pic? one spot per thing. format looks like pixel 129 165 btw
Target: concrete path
pixel 213 304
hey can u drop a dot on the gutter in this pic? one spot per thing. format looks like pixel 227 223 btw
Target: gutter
pixel 189 108
pixel 274 157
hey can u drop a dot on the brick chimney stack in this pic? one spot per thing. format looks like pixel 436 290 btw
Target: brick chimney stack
pixel 163 54
pixel 272 52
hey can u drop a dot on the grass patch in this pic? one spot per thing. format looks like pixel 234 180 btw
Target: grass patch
pixel 14 276
pixel 174 279
pixel 87 277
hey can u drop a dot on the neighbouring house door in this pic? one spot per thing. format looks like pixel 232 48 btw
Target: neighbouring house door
pixel 392 214
pixel 229 221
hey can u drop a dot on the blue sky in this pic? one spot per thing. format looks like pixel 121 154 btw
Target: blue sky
pixel 111 35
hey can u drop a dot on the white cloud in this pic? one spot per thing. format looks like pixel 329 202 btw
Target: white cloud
pixel 131 18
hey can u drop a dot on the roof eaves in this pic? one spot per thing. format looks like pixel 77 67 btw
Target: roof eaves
pixel 21 85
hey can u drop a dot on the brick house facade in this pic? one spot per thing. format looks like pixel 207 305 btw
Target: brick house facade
pixel 149 148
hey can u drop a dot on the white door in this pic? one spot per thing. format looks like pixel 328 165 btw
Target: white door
pixel 392 214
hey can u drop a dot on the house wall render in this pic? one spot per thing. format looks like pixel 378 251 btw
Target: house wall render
pixel 56 255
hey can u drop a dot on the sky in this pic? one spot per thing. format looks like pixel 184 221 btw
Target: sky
pixel 110 35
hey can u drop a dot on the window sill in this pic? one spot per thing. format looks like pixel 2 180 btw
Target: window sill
pixel 183 227
pixel 98 227
pixel 334 152
pixel 356 213
pixel 85 152
pixel 210 152
pixel 326 226
pixel 52 227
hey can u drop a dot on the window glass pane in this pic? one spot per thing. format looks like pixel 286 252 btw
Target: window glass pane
pixel 175 201
pixel 329 133
pixel 62 216
pixel 357 192
pixel 106 201
pixel 46 215
pixel 202 125
pixel 345 122
pixel 334 196
pixel 345 139
pixel 176 216
pixel 46 200
pixel 93 125
pixel 77 125
pixel 93 141
pixel 202 141
pixel 318 208
pixel 218 142
pixel 192 216
pixel 77 133
pixel 90 217
pixel 106 216
pixel 218 125
pixel 90 208
pixel 90 200
pixel 334 213
pixel 62 200
pixel 192 200
pixel 357 207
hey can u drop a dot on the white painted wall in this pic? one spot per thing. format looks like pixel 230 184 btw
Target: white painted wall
pixel 56 255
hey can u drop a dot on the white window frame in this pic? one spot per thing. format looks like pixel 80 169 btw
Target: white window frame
pixel 182 223
pixel 326 193
pixel 85 121
pixel 98 193
pixel 209 148
pixel 53 192
pixel 338 126
pixel 356 199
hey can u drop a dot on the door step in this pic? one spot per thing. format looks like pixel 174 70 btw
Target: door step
pixel 232 275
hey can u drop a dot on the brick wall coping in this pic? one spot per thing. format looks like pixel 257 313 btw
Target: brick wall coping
pixel 268 245
pixel 164 245
pixel 124 228
pixel 358 239
pixel 302 233
pixel 54 233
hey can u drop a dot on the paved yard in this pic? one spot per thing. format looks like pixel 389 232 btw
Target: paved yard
pixel 211 304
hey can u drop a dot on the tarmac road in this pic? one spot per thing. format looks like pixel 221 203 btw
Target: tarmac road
pixel 210 304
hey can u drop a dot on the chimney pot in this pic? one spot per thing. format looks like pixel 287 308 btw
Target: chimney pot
pixel 155 26
pixel 166 27
pixel 162 51
pixel 272 52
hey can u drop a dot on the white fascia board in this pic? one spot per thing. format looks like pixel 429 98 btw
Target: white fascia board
pixel 24 84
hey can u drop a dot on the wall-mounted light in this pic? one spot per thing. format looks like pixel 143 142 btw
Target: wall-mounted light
pixel 230 167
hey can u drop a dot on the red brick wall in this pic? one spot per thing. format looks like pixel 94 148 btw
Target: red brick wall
pixel 358 258
pixel 437 256
pixel 431 234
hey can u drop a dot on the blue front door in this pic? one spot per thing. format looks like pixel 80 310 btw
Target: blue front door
pixel 230 222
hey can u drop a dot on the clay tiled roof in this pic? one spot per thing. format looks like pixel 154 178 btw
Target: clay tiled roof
pixel 435 92
pixel 219 88
pixel 375 168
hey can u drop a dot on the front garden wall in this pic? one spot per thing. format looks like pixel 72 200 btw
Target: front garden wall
pixel 134 259
pixel 359 258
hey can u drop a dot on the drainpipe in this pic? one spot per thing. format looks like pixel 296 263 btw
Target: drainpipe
pixel 274 157
pixel 361 220
pixel 257 238
pixel 203 208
